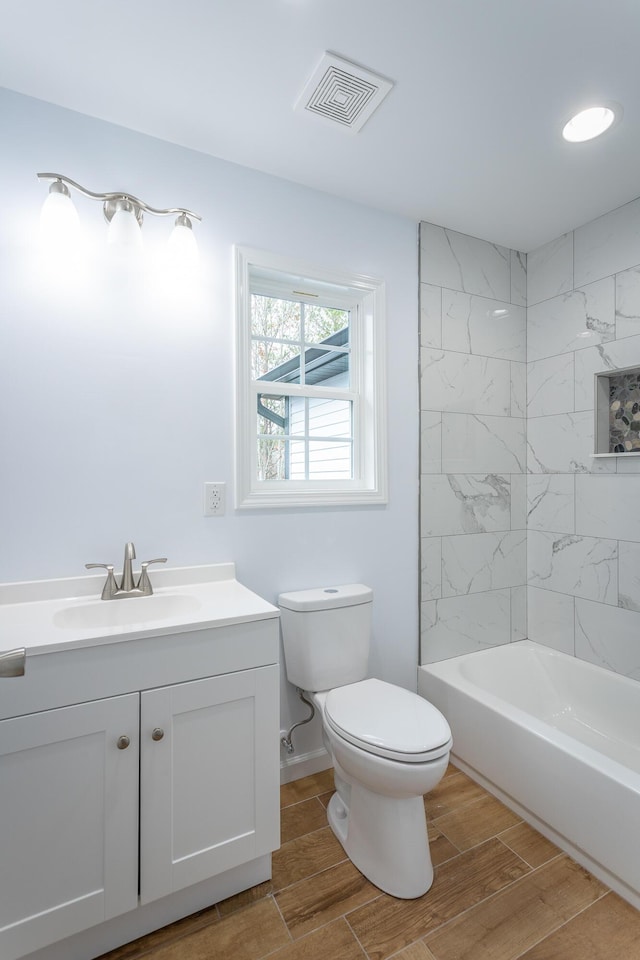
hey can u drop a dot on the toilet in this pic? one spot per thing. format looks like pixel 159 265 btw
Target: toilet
pixel 389 746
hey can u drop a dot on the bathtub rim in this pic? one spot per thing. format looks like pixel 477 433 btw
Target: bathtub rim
pixel 447 675
pixel 447 670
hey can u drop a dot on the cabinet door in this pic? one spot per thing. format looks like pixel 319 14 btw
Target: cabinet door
pixel 209 787
pixel 68 821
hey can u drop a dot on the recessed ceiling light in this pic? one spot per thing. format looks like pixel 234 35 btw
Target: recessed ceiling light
pixel 590 123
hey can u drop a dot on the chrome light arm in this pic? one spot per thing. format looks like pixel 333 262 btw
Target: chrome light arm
pixel 111 198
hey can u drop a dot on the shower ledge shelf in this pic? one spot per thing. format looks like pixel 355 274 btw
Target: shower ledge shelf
pixel 626 456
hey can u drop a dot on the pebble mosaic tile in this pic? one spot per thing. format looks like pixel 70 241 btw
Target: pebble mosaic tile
pixel 624 412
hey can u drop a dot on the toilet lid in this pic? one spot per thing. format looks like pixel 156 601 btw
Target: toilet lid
pixel 387 720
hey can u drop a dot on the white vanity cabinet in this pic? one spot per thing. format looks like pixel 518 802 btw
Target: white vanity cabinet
pixel 69 810
pixel 205 783
pixel 139 782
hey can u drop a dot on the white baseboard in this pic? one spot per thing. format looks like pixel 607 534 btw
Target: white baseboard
pixel 294 767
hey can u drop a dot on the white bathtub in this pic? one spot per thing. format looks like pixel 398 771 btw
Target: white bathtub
pixel 556 739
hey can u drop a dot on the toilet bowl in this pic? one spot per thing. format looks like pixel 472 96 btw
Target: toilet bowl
pixel 388 745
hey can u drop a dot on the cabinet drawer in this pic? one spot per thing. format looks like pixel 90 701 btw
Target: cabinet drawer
pixel 111 669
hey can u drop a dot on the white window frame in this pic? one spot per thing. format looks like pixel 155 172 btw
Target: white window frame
pixel 365 298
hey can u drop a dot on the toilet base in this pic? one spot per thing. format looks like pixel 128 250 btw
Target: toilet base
pixel 386 839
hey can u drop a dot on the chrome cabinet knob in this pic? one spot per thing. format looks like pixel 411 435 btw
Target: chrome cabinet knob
pixel 123 742
pixel 157 734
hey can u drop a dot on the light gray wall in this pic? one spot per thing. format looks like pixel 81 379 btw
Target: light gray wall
pixel 472 471
pixel 117 390
pixel 584 526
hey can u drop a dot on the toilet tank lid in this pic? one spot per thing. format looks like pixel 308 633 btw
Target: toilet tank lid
pixel 326 598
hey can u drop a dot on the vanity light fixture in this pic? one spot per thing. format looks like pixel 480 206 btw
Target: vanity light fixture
pixel 182 241
pixel 59 221
pixel 590 123
pixel 123 212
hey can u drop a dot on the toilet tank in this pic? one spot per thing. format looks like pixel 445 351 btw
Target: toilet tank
pixel 326 633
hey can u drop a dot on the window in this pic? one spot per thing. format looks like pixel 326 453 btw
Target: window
pixel 310 385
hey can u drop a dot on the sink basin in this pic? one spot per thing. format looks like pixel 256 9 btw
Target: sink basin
pixel 121 613
pixel 48 616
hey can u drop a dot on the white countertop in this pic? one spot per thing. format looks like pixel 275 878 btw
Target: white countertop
pixel 46 616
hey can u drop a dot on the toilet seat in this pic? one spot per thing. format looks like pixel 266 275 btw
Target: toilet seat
pixel 388 721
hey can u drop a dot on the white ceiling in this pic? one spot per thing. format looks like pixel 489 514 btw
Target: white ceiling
pixel 469 137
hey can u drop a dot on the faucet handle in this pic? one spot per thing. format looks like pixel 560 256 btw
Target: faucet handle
pixel 110 585
pixel 144 584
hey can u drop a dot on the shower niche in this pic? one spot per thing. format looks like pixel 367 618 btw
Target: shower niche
pixel 618 413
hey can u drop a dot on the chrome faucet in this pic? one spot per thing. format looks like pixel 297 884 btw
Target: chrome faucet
pixel 126 584
pixel 129 586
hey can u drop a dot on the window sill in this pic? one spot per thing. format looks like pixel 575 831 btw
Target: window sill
pixel 311 498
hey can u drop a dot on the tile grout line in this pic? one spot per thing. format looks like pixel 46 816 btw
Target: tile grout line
pixel 564 923
pixel 310 876
pixel 319 873
pixel 458 916
pixel 356 938
pixel 533 866
pixel 168 942
pixel 298 803
pixel 308 833
pixel 408 946
pixel 509 886
pixel 464 806
pixel 281 915
pixel 310 933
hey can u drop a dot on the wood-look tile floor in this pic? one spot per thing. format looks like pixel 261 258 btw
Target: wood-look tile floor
pixel 501 892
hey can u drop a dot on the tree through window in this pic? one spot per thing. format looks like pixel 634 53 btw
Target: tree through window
pixel 301 437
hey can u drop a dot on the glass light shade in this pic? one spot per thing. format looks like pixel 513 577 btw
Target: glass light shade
pixel 124 230
pixel 588 124
pixel 183 246
pixel 59 221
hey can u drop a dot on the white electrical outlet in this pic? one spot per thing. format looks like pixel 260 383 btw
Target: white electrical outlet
pixel 214 499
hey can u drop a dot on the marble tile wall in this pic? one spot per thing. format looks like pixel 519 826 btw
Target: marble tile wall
pixel 473 444
pixel 510 346
pixel 583 513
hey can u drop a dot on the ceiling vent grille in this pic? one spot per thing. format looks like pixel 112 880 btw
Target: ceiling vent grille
pixel 343 93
